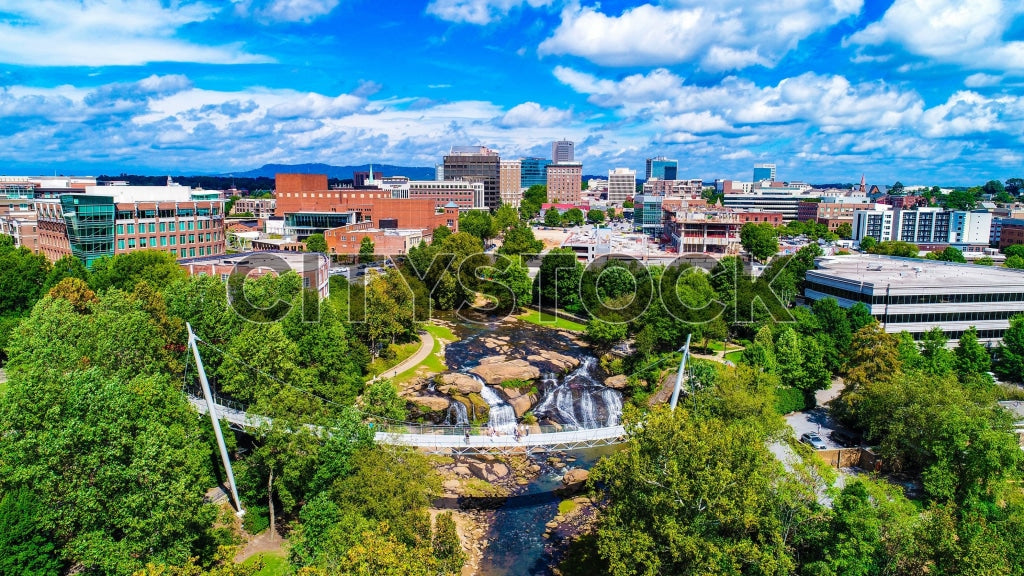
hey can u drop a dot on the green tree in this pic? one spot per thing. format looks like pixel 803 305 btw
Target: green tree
pixel 66 267
pixel 1014 250
pixel 1010 356
pixel 867 243
pixel 367 250
pixel 674 511
pixel 595 216
pixel 519 239
pixel 894 248
pixel 993 187
pixel 123 271
pixel 845 231
pixel 938 360
pixel 516 286
pixel 316 243
pixel 27 544
pixel 478 223
pixel 789 358
pixel 897 189
pixel 985 261
pixel 949 254
pixel 574 217
pixel 604 334
pixel 761 353
pixel 558 281
pixel 23 276
pixel 447 546
pixel 760 240
pixel 1015 186
pixel 552 217
pixel 972 360
pixel 960 200
pixel 1015 262
pixel 440 233
pixel 506 217
pixel 381 399
pixel 835 336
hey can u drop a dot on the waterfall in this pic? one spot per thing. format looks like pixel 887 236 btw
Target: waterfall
pixel 503 416
pixel 588 411
pixel 612 405
pixel 457 415
pixel 579 400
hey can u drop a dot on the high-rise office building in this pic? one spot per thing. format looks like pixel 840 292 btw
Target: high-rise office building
pixel 621 184
pixel 565 182
pixel 476 164
pixel 764 172
pixel 534 172
pixel 562 151
pixel 662 168
pixel 510 182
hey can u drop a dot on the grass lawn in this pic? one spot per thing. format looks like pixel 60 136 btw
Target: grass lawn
pixel 433 363
pixel 380 365
pixel 551 321
pixel 734 356
pixel 274 564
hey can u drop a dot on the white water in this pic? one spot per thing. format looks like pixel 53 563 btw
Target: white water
pixel 613 406
pixel 579 400
pixel 457 414
pixel 502 415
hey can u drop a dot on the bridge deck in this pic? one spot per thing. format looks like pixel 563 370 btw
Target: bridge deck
pixel 448 440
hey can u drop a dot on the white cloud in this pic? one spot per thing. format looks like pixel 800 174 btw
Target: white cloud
pixel 965 33
pixel 731 34
pixel 107 33
pixel 530 114
pixel 477 11
pixel 271 11
pixel 982 80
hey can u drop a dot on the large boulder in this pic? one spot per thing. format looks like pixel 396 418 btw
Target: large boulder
pixel 618 382
pixel 433 403
pixel 489 471
pixel 496 372
pixel 560 362
pixel 520 400
pixel 458 382
pixel 575 476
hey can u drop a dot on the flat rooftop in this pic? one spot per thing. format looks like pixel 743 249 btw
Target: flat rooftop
pixel 914 272
pixel 298 261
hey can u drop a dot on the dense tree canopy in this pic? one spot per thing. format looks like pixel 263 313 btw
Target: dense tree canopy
pixel 760 240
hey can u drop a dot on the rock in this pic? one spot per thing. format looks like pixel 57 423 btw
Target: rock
pixel 452 485
pixel 522 481
pixel 462 471
pixel 561 362
pixel 500 371
pixel 551 525
pixel 493 360
pixel 559 519
pixel 434 403
pixel 534 468
pixel 617 382
pixel 559 465
pixel 520 400
pixel 489 472
pixel 575 476
pixel 463 383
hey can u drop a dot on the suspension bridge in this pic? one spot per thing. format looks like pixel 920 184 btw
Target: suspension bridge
pixel 434 439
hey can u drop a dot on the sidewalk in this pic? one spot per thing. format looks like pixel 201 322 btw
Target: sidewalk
pixel 426 346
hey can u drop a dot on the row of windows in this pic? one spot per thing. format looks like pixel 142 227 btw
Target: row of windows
pixel 950 316
pixel 165 240
pixel 166 226
pixel 167 213
pixel 192 252
pixel 956 334
pixel 918 298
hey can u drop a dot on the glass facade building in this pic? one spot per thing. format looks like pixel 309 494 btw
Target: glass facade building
pixel 90 225
pixel 647 214
pixel 534 171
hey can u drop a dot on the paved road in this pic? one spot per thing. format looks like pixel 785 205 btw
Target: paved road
pixel 426 347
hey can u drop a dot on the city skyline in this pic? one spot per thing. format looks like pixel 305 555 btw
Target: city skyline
pixel 924 92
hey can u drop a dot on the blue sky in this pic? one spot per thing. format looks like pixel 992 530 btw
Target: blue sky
pixel 924 91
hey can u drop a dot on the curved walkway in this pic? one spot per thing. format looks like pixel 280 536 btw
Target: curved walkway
pixel 426 347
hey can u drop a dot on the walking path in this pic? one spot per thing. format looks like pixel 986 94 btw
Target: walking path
pixel 426 347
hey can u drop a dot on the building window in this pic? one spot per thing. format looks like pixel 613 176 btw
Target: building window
pixel 200 250
pixel 120 228
pixel 163 241
pixel 191 238
pixel 174 252
pixel 173 240
pixel 163 227
pixel 170 226
pixel 142 242
pixel 191 251
pixel 182 239
pixel 131 243
pixel 131 228
pixel 152 240
pixel 152 227
pixel 120 244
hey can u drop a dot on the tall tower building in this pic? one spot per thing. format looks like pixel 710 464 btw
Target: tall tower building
pixel 621 184
pixel 476 164
pixel 764 172
pixel 534 171
pixel 565 182
pixel 510 182
pixel 662 168
pixel 562 151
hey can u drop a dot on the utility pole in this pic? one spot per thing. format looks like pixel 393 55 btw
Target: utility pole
pixel 679 376
pixel 212 409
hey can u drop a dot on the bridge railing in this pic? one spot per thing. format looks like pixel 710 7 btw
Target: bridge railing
pixel 473 430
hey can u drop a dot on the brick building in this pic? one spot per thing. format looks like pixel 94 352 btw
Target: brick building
pixel 313 267
pixel 565 182
pixel 390 241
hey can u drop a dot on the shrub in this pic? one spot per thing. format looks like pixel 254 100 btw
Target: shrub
pixel 789 400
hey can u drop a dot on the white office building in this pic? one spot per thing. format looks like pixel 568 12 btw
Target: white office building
pixel 908 294
pixel 621 185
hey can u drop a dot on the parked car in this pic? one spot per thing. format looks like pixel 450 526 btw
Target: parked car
pixel 844 438
pixel 812 439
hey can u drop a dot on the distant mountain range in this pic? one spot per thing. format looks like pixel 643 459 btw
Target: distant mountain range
pixel 341 172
